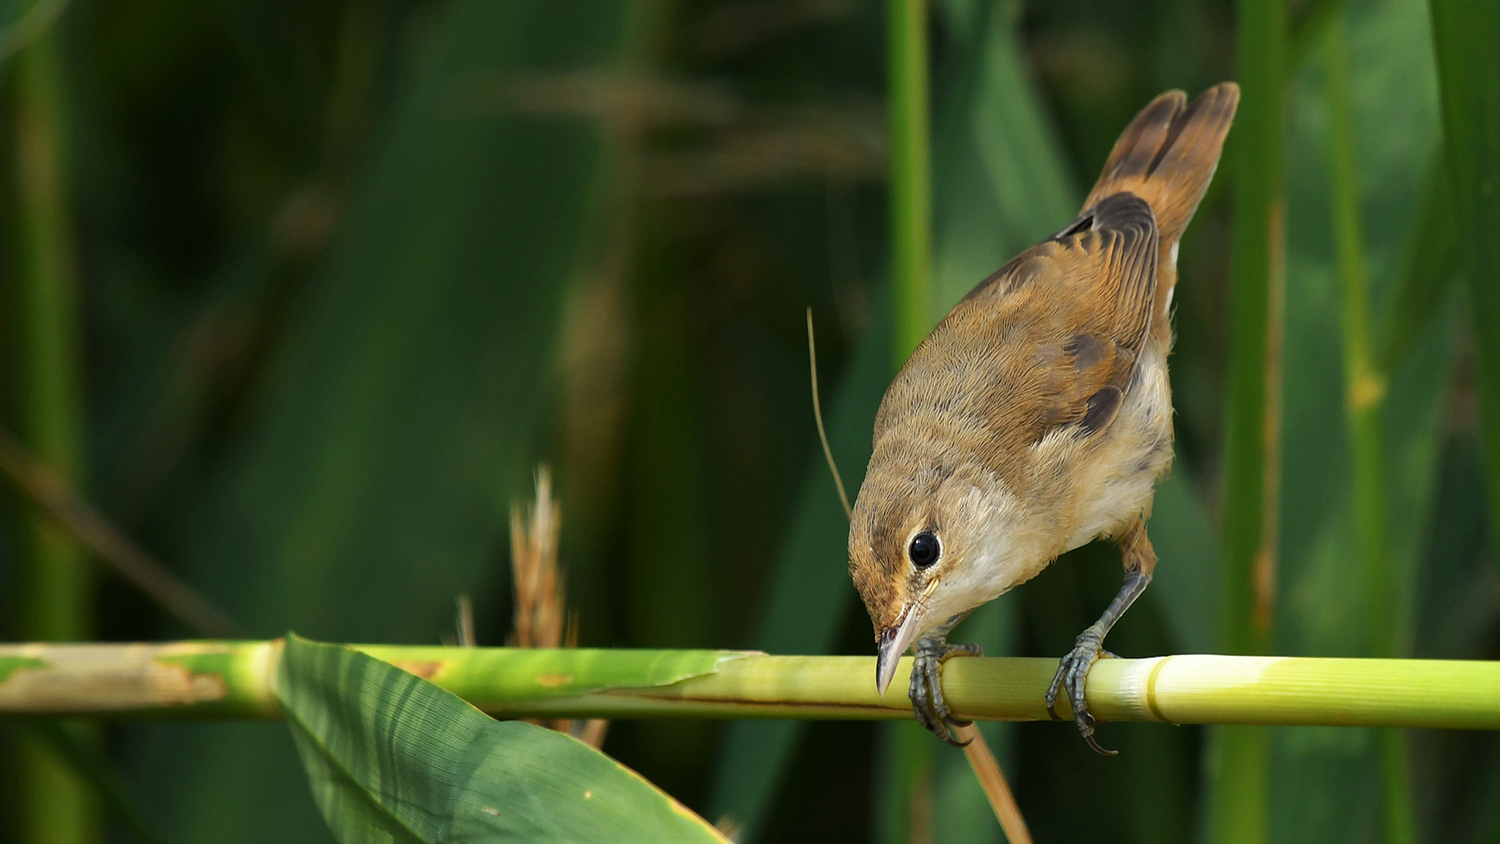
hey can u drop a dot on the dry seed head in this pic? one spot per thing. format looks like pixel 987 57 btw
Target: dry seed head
pixel 540 615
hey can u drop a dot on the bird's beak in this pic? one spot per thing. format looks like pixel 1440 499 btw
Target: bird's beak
pixel 890 645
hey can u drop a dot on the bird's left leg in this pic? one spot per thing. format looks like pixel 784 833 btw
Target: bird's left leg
pixel 1072 673
pixel 926 690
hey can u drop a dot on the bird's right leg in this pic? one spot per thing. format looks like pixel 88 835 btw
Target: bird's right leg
pixel 1073 671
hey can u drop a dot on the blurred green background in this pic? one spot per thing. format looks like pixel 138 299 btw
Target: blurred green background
pixel 300 294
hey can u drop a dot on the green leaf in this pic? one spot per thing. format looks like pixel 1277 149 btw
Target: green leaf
pixel 392 757
pixel 1465 33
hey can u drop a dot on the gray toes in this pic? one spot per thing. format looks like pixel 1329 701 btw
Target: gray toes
pixel 1072 678
pixel 926 690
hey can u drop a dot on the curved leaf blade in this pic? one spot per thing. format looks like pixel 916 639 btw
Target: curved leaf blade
pixel 394 758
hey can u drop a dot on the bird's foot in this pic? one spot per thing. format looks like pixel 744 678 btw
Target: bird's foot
pixel 1072 676
pixel 927 686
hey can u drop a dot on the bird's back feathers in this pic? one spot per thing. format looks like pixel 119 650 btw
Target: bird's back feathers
pixel 1053 338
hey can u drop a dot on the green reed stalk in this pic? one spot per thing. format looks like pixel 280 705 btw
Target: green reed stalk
pixel 905 794
pixel 908 753
pixel 54 583
pixel 1239 759
pixel 236 680
pixel 1364 394
pixel 911 173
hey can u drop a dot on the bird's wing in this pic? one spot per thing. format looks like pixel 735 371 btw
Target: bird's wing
pixel 1104 266
pixel 1061 328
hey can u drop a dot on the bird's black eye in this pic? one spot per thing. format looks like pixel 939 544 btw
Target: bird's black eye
pixel 924 550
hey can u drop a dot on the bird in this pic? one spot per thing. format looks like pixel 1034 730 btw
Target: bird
pixel 1037 417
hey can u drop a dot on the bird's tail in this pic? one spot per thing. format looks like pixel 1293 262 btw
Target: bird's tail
pixel 1167 156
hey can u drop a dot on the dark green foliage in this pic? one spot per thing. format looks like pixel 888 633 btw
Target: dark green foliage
pixel 349 270
pixel 1463 33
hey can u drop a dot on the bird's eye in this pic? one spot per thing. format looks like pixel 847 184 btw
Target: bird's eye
pixel 924 550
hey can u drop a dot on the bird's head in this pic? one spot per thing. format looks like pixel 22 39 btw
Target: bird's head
pixel 928 542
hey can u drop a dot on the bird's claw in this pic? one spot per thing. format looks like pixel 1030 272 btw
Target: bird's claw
pixel 927 687
pixel 1072 677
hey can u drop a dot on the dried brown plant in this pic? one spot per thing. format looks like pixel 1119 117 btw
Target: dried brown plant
pixel 542 619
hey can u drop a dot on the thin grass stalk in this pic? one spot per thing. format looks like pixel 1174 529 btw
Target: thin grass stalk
pixel 817 404
pixel 219 680
pixel 1364 401
pixel 55 585
pixel 1239 759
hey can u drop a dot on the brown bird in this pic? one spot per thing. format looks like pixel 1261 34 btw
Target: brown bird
pixel 1037 416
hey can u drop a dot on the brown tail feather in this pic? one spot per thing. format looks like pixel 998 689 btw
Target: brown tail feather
pixel 1167 155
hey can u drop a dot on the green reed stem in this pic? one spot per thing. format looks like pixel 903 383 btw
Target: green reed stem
pixel 1239 760
pixel 911 173
pixel 906 783
pixel 908 766
pixel 236 680
pixel 1364 393
pixel 54 583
